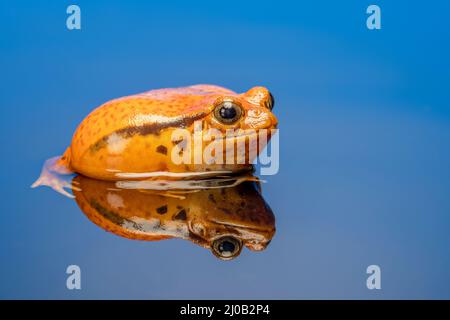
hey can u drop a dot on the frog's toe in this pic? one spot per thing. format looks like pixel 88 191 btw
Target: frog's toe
pixel 56 175
pixel 55 183
pixel 61 190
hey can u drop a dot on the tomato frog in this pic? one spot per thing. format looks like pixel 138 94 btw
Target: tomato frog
pixel 135 137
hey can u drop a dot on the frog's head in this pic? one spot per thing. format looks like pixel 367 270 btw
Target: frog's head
pixel 226 235
pixel 231 119
pixel 233 218
pixel 249 110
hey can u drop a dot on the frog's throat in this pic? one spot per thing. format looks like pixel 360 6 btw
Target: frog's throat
pixel 147 129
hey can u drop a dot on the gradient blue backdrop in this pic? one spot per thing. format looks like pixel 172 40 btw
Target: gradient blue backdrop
pixel 365 134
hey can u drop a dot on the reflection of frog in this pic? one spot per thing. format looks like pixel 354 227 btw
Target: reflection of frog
pixel 223 220
pixel 133 134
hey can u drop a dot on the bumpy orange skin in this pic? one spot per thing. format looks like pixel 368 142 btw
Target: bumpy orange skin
pixel 200 216
pixel 134 134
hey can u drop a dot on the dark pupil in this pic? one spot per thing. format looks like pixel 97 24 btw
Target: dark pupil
pixel 272 101
pixel 228 112
pixel 226 246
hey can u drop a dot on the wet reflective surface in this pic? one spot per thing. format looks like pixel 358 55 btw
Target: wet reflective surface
pixel 223 220
pixel 223 213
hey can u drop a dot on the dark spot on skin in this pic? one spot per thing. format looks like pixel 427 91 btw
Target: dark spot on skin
pixel 182 143
pixel 211 198
pixel 225 210
pixel 147 129
pixel 162 210
pixel 181 215
pixel 242 204
pixel 175 142
pixel 161 149
pixel 222 192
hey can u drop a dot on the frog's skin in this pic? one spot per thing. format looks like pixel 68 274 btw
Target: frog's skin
pixel 132 136
pixel 204 217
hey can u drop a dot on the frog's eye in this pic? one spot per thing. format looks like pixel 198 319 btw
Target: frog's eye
pixel 270 103
pixel 226 248
pixel 228 112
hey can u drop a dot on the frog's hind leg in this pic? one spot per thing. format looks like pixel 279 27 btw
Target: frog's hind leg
pixel 56 174
pixel 61 164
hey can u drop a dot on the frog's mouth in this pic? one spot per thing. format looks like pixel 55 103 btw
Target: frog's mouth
pixel 239 226
pixel 244 136
pixel 246 146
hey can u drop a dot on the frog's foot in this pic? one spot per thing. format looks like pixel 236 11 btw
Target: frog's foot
pixel 56 177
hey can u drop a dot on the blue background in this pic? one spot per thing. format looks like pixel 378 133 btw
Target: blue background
pixel 364 128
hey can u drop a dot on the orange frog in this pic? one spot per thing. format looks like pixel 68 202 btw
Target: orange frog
pixel 223 220
pixel 133 137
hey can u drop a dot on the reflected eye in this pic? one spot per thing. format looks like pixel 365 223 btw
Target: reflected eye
pixel 226 248
pixel 228 112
